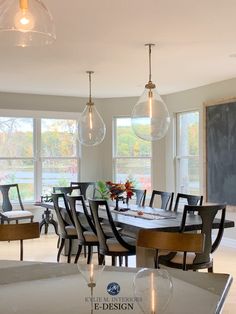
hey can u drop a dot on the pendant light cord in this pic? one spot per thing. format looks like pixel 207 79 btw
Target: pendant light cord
pixel 150 85
pixel 90 88
pixel 150 62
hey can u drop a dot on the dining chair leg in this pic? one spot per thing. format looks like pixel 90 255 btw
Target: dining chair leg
pixel 78 253
pixel 69 251
pixel 85 251
pixel 120 260
pixel 58 241
pixel 210 269
pixel 101 259
pixel 90 254
pixel 60 249
pixel 21 250
pixel 99 256
pixel 126 261
pixel 113 261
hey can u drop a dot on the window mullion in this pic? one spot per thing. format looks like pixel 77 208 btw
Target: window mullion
pixel 37 158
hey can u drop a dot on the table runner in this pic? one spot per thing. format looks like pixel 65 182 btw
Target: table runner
pixel 142 213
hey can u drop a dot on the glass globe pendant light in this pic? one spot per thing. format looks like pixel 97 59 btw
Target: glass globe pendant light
pixel 25 23
pixel 91 128
pixel 153 289
pixel 150 118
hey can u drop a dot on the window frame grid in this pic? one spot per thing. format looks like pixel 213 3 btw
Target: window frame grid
pixel 179 157
pixel 114 150
pixel 37 159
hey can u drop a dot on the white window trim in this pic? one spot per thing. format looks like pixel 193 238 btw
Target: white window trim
pixel 178 157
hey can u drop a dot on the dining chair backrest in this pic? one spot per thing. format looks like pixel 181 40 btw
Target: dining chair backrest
pixel 166 199
pixel 96 206
pixel 22 231
pixel 140 196
pixel 6 190
pixel 84 187
pixel 65 189
pixel 73 200
pixel 88 215
pixel 190 199
pixel 168 241
pixel 208 214
pixel 63 213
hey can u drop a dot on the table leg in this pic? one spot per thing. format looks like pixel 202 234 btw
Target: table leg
pixel 47 218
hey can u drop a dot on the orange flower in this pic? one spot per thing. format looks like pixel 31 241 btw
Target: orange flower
pixel 118 188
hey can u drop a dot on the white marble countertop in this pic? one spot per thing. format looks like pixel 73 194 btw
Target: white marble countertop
pixel 37 288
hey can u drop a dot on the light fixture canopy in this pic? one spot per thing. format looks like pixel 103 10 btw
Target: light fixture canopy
pixel 25 23
pixel 91 128
pixel 150 118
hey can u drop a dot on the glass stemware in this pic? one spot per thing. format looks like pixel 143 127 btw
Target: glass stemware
pixel 90 273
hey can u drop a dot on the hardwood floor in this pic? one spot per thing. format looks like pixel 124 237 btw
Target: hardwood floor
pixel 45 250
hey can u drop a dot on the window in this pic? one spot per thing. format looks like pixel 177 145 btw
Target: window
pixel 37 154
pixel 187 159
pixel 58 153
pixel 131 155
pixel 17 154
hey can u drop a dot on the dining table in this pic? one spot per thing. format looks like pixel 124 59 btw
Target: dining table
pixel 58 288
pixel 137 217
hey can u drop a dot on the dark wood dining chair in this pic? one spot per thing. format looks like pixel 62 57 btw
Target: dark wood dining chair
pixel 8 213
pixel 66 189
pixel 151 242
pixel 140 196
pixel 166 199
pixel 86 237
pixel 21 232
pixel 115 246
pixel 190 199
pixel 84 187
pixel 200 260
pixel 67 229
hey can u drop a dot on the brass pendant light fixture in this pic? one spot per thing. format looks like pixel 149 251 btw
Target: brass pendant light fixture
pixel 25 23
pixel 91 128
pixel 150 118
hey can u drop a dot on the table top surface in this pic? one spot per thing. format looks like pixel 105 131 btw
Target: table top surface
pixel 164 220
pixel 36 288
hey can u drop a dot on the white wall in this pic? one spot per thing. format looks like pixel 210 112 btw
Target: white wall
pixel 96 162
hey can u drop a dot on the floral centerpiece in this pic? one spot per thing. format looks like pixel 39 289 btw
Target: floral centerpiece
pixel 120 191
pixel 115 191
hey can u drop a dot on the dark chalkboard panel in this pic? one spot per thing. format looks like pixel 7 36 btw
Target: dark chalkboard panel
pixel 221 153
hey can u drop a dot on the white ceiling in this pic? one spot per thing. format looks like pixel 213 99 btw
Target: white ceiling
pixel 195 41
